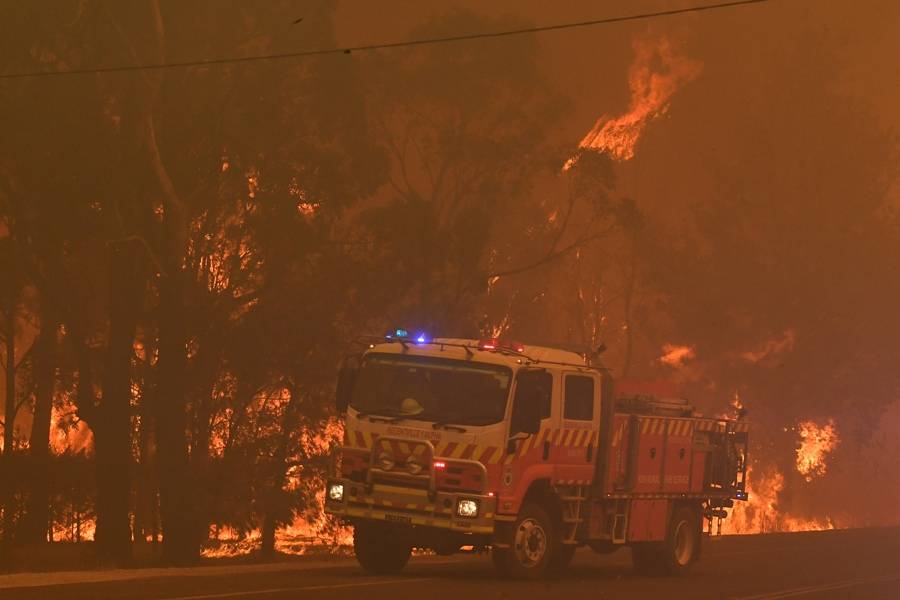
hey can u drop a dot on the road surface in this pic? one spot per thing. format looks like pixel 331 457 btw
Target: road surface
pixel 855 564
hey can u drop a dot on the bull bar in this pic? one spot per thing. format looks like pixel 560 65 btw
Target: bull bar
pixel 415 506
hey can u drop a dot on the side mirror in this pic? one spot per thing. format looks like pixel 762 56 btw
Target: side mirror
pixel 345 383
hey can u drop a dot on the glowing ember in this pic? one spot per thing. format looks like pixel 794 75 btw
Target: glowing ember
pixel 658 71
pixel 816 442
pixel 675 356
pixel 307 208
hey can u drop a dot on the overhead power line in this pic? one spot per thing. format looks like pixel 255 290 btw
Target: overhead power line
pixel 388 45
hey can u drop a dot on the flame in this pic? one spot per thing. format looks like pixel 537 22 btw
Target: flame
pixel 305 532
pixel 67 432
pixel 252 183
pixel 675 355
pixel 816 442
pixel 307 208
pixel 75 527
pixel 761 513
pixel 658 71
pixel 772 347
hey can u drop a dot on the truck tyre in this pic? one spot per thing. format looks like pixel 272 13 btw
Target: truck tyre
pixel 677 553
pixel 682 545
pixel 533 542
pixel 380 550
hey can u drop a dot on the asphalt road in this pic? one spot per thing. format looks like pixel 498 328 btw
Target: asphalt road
pixel 855 564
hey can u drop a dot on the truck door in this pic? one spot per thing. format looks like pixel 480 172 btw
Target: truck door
pixel 527 456
pixel 575 443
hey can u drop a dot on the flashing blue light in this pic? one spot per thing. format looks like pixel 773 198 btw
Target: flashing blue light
pixel 403 334
pixel 400 334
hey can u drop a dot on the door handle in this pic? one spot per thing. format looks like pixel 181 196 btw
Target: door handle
pixel 546 449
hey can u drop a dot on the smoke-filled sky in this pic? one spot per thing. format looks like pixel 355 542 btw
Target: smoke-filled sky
pixel 855 44
pixel 590 64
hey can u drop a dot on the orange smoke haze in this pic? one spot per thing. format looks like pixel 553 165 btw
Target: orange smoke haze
pixel 658 71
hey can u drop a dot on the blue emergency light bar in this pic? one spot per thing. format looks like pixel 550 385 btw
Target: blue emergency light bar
pixel 403 335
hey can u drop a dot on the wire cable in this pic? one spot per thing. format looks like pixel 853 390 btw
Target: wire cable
pixel 382 46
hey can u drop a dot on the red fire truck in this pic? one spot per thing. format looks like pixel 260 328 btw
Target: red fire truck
pixel 530 451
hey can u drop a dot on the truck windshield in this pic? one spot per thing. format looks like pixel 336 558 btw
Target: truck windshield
pixel 432 389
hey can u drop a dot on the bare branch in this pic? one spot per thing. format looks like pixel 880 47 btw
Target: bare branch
pixel 551 256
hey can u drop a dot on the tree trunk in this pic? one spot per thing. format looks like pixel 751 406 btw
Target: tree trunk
pixel 10 412
pixel 268 535
pixel 36 524
pixel 277 476
pixel 112 430
pixel 180 542
pixel 146 516
pixel 180 545
pixel 199 460
pixel 630 281
pixel 6 497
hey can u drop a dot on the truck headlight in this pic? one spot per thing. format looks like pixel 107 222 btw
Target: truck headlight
pixel 336 492
pixel 386 461
pixel 467 508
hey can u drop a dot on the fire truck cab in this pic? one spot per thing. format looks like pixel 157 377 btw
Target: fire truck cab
pixel 530 451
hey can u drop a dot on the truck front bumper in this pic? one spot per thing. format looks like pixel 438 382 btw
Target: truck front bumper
pixel 410 506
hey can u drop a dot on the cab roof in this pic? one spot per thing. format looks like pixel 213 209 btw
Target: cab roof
pixel 471 349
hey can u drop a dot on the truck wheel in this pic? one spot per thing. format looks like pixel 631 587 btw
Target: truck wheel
pixel 532 545
pixel 682 545
pixel 380 550
pixel 677 553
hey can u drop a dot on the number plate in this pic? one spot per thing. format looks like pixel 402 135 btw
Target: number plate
pixel 398 518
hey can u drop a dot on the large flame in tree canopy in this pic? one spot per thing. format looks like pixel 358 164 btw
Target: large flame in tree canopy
pixel 658 71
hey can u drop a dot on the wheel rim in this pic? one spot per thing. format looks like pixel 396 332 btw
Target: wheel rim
pixel 684 543
pixel 531 542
